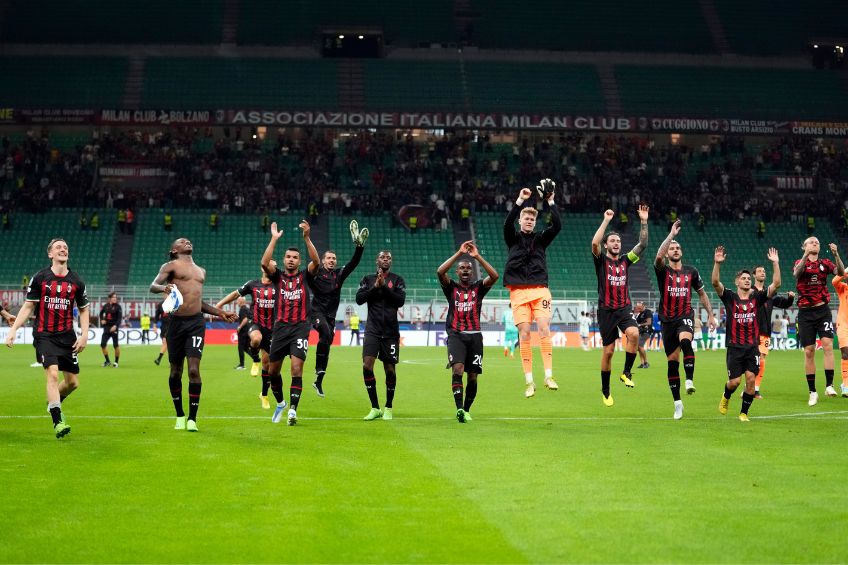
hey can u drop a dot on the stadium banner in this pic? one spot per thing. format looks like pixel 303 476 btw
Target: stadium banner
pixel 795 183
pixel 154 117
pixel 820 129
pixel 424 120
pixel 413 338
pixel 128 171
pixel 562 311
pixel 66 116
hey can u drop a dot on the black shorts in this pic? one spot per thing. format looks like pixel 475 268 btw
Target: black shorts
pixel 466 349
pixel 57 349
pixel 814 321
pixel 672 329
pixel 186 337
pixel 265 343
pixel 325 326
pixel 386 349
pixel 742 359
pixel 289 340
pixel 611 321
pixel 104 339
pixel 165 325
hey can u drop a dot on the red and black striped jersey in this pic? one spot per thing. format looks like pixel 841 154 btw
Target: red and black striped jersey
pixel 56 296
pixel 292 296
pixel 264 298
pixel 742 317
pixel 613 291
pixel 464 304
pixel 676 289
pixel 812 284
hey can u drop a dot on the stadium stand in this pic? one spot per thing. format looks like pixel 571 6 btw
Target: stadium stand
pixel 545 87
pixel 418 85
pixel 230 255
pixel 415 257
pixel 199 83
pixel 269 22
pixel 63 82
pixel 25 245
pixel 570 264
pixel 712 91
pixel 744 248
pixel 103 21
pixel 783 27
pixel 586 25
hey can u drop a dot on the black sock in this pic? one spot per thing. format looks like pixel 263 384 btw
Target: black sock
pixel 605 379
pixel 117 360
pixel 747 399
pixel 470 393
pixel 254 354
pixel 266 383
pixel 322 358
pixel 319 377
pixel 56 414
pixel 629 359
pixel 193 399
pixel 456 387
pixel 811 382
pixel 727 392
pixel 62 397
pixel 688 358
pixel 277 387
pixel 674 379
pixel 176 386
pixel 371 387
pixel 160 357
pixel 107 358
pixel 294 391
pixel 828 377
pixel 391 382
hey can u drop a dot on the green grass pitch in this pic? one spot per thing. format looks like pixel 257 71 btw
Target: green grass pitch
pixel 556 478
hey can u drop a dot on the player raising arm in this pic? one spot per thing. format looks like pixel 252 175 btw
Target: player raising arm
pixel 677 282
pixel 814 316
pixel 290 336
pixel 742 307
pixel 465 339
pixel 615 312
pixel 526 277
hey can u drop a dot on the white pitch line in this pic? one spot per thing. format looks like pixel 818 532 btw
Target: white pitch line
pixel 832 415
